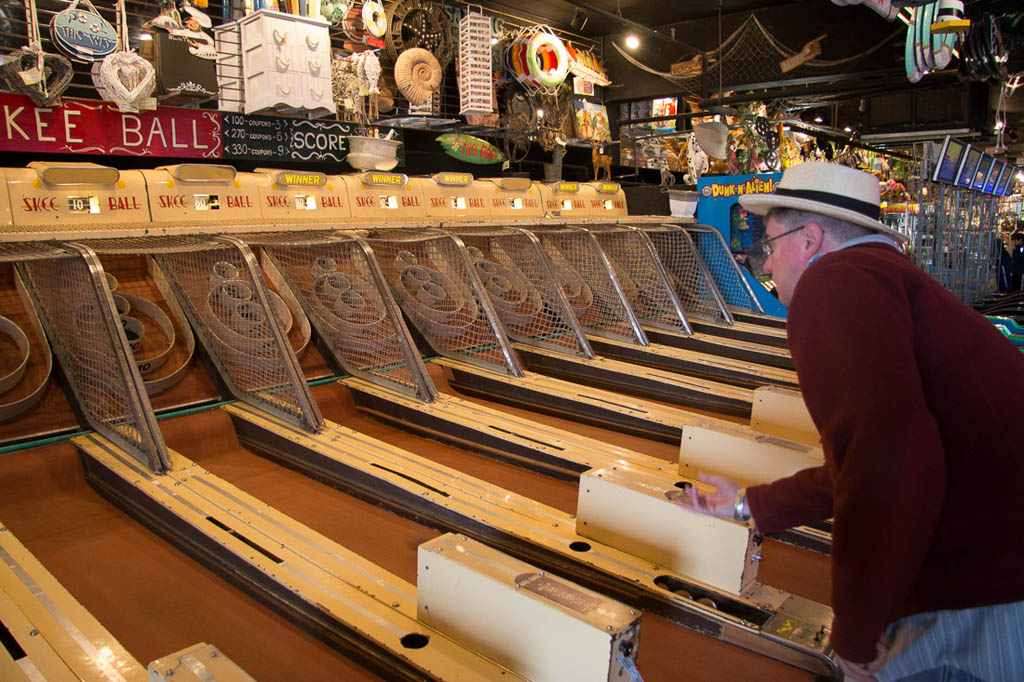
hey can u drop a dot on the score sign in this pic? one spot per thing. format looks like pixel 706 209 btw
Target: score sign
pixel 85 126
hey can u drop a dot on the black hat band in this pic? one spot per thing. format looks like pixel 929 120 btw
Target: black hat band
pixel 865 208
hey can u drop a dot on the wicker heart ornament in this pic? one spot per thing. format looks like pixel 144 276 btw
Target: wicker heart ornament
pixel 55 72
pixel 125 79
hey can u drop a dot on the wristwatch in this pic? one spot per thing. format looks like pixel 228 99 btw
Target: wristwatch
pixel 740 509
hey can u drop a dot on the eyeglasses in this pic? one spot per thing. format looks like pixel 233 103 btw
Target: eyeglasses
pixel 761 251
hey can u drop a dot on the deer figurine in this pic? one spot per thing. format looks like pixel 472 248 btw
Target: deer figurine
pixel 601 162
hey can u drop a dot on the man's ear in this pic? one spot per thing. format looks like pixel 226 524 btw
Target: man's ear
pixel 812 238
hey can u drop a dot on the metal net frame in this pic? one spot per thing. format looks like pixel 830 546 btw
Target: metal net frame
pixel 219 286
pixel 435 284
pixel 346 297
pixel 687 273
pixel 642 276
pixel 956 241
pixel 586 277
pixel 71 297
pixel 725 272
pixel 521 285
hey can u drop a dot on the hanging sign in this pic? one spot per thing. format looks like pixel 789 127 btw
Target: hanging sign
pixel 274 138
pixel 82 33
pixel 811 50
pixel 470 149
pixel 90 127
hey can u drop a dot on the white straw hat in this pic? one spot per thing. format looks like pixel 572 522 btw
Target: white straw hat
pixel 198 15
pixel 829 189
pixel 713 138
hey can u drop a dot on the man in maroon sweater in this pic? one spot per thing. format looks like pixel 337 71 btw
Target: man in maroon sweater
pixel 915 397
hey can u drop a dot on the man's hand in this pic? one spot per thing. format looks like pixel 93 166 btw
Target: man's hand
pixel 863 672
pixel 717 503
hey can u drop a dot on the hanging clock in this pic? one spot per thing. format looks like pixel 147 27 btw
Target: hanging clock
pixel 419 23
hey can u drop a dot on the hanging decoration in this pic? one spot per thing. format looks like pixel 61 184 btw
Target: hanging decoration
pixel 30 71
pixel 368 70
pixel 419 23
pixel 334 11
pixel 476 81
pixel 123 77
pixel 470 149
pixel 983 55
pixel 538 59
pixel 375 23
pixel 352 23
pixel 925 51
pixel 586 66
pixel 184 56
pixel 81 33
pixel 417 75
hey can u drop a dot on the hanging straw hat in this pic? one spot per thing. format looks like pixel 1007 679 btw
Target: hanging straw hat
pixel 713 138
pixel 417 74
pixel 197 15
pixel 829 189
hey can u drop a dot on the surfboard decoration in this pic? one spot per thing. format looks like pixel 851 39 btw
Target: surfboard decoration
pixel 470 149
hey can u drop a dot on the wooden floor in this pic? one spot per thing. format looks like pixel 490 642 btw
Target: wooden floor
pixel 156 600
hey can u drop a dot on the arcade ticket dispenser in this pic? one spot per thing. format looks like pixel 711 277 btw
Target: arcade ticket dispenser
pixel 73 201
pixel 604 200
pixel 454 196
pixel 377 197
pixel 191 198
pixel 513 200
pixel 563 200
pixel 298 198
pixel 538 625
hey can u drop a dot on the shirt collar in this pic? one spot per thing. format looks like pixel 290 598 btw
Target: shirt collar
pixel 857 241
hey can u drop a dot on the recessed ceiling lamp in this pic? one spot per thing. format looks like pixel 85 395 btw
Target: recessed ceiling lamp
pixel 632 42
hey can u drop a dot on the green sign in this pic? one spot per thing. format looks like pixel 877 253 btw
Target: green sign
pixel 470 149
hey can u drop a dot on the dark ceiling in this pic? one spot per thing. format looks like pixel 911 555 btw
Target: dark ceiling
pixel 601 15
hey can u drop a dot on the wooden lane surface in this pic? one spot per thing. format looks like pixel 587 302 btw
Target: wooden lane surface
pixel 153 598
pixel 156 600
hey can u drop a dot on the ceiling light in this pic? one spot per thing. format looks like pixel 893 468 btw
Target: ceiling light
pixel 540 113
pixel 818 119
pixel 632 42
pixel 494 41
pixel 848 129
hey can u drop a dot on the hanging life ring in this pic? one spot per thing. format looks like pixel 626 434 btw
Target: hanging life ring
pixel 547 77
pixel 374 19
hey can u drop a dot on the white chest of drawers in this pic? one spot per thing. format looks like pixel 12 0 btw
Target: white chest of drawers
pixel 285 64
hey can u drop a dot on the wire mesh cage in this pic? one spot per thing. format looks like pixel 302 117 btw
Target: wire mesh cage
pixel 218 285
pixel 75 306
pixel 433 281
pixel 520 284
pixel 583 273
pixel 347 300
pixel 723 269
pixel 687 273
pixel 956 240
pixel 643 278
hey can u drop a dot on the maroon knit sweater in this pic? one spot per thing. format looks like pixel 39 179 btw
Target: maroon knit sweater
pixel 918 400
